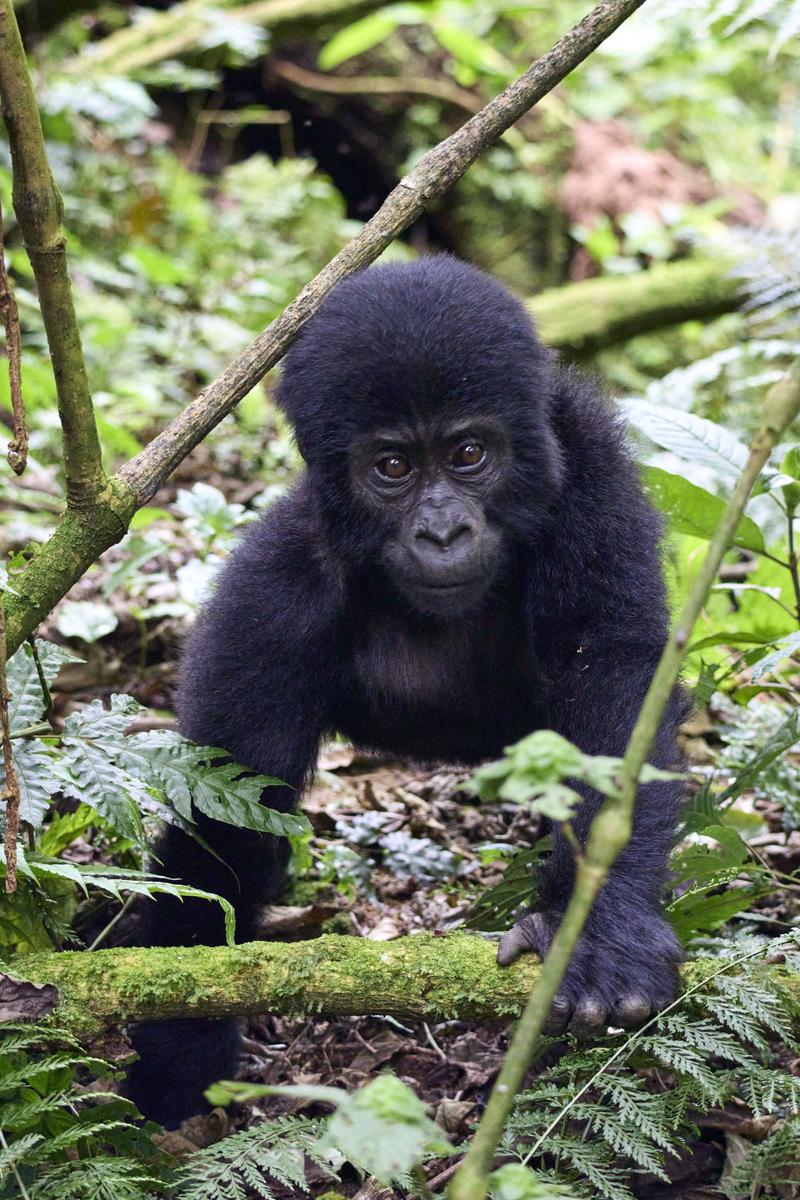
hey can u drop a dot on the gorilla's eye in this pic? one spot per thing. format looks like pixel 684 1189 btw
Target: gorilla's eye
pixel 393 466
pixel 471 454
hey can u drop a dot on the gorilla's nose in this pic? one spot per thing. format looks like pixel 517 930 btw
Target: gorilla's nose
pixel 443 530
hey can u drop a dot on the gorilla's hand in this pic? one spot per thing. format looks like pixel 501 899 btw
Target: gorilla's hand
pixel 621 971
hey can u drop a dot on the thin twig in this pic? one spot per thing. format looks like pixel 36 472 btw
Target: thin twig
pixel 793 558
pixel 18 446
pixel 377 85
pixel 10 794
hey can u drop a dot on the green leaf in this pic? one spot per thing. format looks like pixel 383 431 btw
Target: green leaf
pixel 517 1182
pixel 38 780
pixel 204 775
pixel 691 509
pixel 730 637
pixel 27 704
pixel 699 863
pixel 498 907
pixel 226 795
pixel 786 647
pixel 356 38
pixel 86 619
pixel 89 775
pixel 698 912
pixel 384 1129
pixel 693 438
pixel 471 50
pixel 784 738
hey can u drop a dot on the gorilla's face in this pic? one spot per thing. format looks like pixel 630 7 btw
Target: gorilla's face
pixel 432 489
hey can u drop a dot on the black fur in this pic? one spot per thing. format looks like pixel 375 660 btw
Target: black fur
pixel 307 633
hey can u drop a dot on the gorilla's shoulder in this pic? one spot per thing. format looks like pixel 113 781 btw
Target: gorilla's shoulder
pixel 287 543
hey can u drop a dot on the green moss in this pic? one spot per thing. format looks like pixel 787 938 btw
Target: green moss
pixel 422 976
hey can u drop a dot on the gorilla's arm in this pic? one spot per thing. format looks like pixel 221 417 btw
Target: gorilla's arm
pixel 257 680
pixel 597 621
pixel 625 965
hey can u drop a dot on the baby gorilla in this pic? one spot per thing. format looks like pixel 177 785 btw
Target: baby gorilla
pixel 467 557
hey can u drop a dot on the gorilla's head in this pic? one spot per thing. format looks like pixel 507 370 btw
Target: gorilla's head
pixel 419 395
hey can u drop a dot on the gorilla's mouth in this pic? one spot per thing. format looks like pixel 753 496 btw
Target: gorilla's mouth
pixel 443 588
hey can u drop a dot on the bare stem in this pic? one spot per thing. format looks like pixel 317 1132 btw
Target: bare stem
pixel 38 205
pixel 10 795
pixel 793 561
pixel 611 829
pixel 18 446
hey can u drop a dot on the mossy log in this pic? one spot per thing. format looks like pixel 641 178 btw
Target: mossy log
pixel 424 976
pixel 580 318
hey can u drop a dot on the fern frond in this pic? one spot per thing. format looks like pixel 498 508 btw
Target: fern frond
pixel 623 1137
pixel 98 1178
pixel 769 1168
pixel 704 1035
pixel 748 1007
pixel 652 1114
pixel 11 1156
pixel 766 1091
pixel 593 1164
pixel 252 1162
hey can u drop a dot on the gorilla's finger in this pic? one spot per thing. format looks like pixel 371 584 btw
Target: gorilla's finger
pixel 631 1010
pixel 558 1017
pixel 511 945
pixel 589 1018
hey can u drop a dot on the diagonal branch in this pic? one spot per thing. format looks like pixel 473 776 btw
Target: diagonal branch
pixel 71 550
pixel 38 205
pixel 435 173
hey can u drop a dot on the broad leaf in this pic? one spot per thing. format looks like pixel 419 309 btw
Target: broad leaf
pixel 89 620
pixel 38 780
pixel 186 773
pixel 357 38
pixel 27 704
pixel 691 509
pixel 693 438
pixel 785 649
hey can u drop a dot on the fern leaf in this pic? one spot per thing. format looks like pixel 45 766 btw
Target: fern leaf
pixel 14 1155
pixel 593 1163
pixel 252 1161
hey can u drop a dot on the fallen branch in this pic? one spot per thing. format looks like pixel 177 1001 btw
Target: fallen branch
pixel 580 318
pixel 425 977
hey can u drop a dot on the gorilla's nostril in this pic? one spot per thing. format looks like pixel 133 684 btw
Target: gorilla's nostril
pixel 443 535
